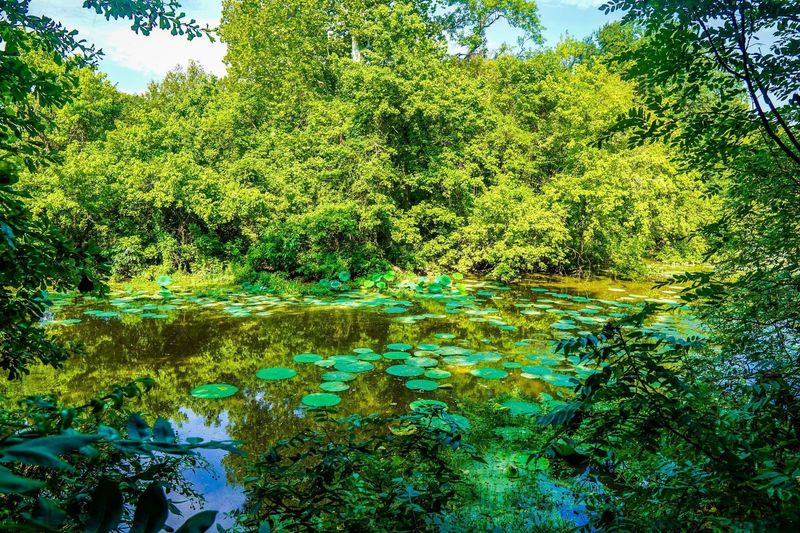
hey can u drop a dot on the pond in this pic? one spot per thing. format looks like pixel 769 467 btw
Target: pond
pixel 449 341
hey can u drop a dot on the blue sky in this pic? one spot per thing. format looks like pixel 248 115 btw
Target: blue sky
pixel 131 61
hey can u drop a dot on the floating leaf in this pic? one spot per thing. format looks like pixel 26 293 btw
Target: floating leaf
pixel 428 347
pixel 399 347
pixel 397 355
pixel 435 373
pixel 334 386
pixel 404 371
pixel 424 362
pixel 489 373
pixel 338 376
pixel 276 373
pixel 321 399
pixel 307 358
pixel 422 385
pixel 354 366
pixel 214 390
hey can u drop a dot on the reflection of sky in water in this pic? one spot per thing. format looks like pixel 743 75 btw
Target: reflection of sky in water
pixel 211 482
pixel 205 341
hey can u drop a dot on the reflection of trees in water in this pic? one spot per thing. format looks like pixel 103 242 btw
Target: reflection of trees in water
pixel 197 346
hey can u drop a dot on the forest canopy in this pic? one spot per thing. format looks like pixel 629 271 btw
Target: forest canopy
pixel 357 137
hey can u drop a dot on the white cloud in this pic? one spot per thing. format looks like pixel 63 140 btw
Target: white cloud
pixel 130 59
pixel 158 53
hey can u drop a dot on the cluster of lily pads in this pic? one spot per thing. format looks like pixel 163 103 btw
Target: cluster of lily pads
pixel 423 367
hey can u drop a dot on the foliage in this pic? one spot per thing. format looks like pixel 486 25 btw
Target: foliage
pixel 364 473
pixel 306 163
pixel 67 467
pixel 704 434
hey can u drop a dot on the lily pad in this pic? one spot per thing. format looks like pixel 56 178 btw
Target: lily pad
pixel 275 374
pixel 405 371
pixel 354 366
pixel 334 386
pixel 428 347
pixel 397 355
pixel 307 358
pixel 321 399
pixel 422 385
pixel 338 376
pixel 423 362
pixel 399 346
pixel 372 356
pixel 435 373
pixel 489 373
pixel 214 391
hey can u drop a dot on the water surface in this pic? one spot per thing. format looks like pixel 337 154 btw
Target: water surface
pixel 184 340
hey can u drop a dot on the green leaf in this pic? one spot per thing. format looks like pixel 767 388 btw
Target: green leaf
pixel 198 523
pixel 152 510
pixel 47 514
pixel 137 427
pixel 105 509
pixel 163 431
pixel 44 451
pixel 13 484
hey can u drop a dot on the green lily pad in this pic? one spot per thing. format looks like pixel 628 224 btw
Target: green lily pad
pixel 404 371
pixel 422 385
pixel 397 355
pixel 354 366
pixel 512 364
pixel 428 347
pixel 423 362
pixel 214 391
pixel 344 358
pixel 489 373
pixel 435 373
pixel 338 376
pixel 399 347
pixel 325 363
pixel 321 399
pixel 444 336
pixel 372 356
pixel 307 358
pixel 334 386
pixel 275 374
pixel 363 350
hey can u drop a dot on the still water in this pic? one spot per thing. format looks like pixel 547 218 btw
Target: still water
pixel 184 340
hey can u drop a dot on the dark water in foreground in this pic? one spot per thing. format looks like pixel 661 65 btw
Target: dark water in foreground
pixel 188 340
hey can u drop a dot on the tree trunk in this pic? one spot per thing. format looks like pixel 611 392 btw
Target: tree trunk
pixel 355 50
